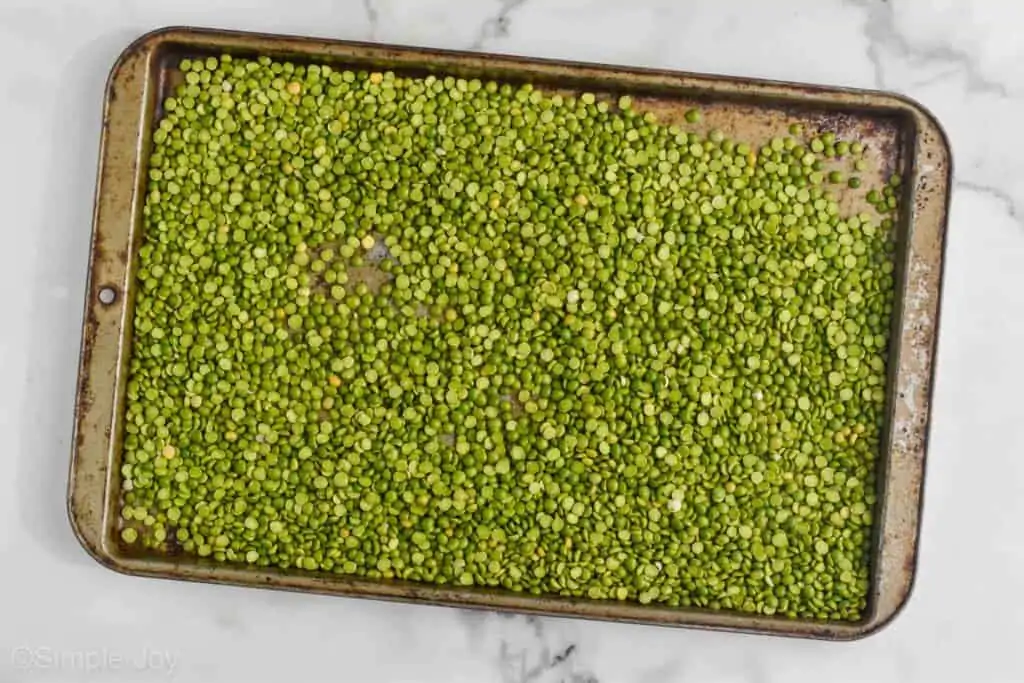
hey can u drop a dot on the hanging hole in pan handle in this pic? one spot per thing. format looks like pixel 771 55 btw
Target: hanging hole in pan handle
pixel 107 295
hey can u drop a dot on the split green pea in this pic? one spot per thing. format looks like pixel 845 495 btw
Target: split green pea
pixel 461 332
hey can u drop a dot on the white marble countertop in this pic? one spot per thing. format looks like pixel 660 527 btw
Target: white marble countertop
pixel 65 618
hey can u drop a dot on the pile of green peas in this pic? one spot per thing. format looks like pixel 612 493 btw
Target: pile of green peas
pixel 476 334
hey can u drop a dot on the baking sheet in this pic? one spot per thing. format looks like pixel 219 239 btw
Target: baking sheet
pixel 902 138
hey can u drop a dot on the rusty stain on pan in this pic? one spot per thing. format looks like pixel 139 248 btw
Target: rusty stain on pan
pixel 902 137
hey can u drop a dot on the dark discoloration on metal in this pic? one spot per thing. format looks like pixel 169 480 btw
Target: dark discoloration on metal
pixel 173 545
pixel 84 399
pixel 902 137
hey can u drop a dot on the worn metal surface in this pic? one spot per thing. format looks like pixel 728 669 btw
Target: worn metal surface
pixel 902 138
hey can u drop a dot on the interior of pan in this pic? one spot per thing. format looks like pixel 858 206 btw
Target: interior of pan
pixel 740 113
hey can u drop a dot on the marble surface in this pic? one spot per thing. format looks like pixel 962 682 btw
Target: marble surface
pixel 64 618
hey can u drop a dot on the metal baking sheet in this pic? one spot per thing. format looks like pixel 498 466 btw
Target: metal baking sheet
pixel 903 138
